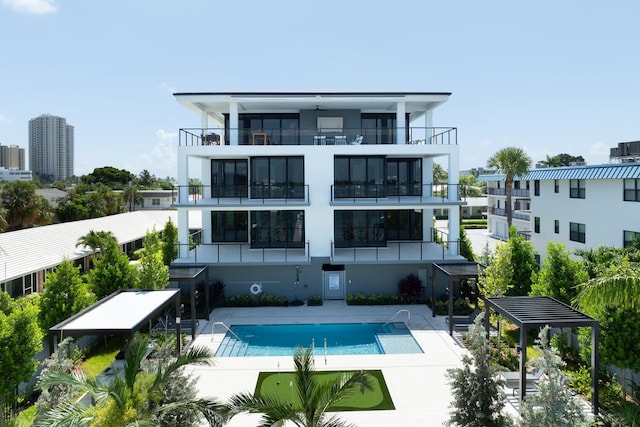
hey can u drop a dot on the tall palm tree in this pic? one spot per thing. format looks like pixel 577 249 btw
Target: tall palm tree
pixel 511 161
pixel 315 397
pixel 133 399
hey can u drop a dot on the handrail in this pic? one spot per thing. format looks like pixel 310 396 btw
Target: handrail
pixel 398 312
pixel 325 350
pixel 213 327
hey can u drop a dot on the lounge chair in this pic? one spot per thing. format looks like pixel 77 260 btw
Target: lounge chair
pixel 357 140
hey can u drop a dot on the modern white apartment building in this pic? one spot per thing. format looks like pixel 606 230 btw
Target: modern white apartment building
pixel 585 206
pixel 51 148
pixel 316 193
pixel 13 174
pixel 497 204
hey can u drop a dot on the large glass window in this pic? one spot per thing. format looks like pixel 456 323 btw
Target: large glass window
pixel 404 177
pixel 359 229
pixel 536 224
pixel 229 178
pixel 359 176
pixel 375 228
pixel 536 187
pixel 279 128
pixel 577 188
pixel 277 229
pixel 277 178
pixel 630 238
pixel 577 232
pixel 229 226
pixel 632 190
pixel 404 225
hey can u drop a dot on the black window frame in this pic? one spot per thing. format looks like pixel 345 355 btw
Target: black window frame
pixel 239 187
pixel 577 189
pixel 536 187
pixel 536 224
pixel 629 238
pixel 264 187
pixel 407 183
pixel 280 229
pixel 229 226
pixel 631 193
pixel 556 186
pixel 372 184
pixel 577 232
pixel 556 226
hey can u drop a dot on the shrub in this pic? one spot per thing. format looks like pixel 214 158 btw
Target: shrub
pixel 410 289
pixel 375 299
pixel 314 300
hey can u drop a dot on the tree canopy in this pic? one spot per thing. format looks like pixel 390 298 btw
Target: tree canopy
pixel 562 159
pixel 112 271
pixel 109 176
pixel 23 207
pixel 559 275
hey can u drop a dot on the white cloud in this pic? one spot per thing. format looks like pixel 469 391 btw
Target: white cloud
pixel 38 7
pixel 3 118
pixel 162 160
pixel 168 88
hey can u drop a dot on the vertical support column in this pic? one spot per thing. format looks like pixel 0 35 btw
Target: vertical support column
pixel 183 176
pixel 183 233
pixel 433 290
pixel 595 367
pixel 204 124
pixel 428 126
pixel 178 313
pixel 452 196
pixel 193 309
pixel 233 124
pixel 401 123
pixel 523 363
pixel 450 306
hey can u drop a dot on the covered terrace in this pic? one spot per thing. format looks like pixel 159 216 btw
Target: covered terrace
pixel 535 312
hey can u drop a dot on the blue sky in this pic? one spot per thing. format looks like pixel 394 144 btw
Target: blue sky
pixel 548 76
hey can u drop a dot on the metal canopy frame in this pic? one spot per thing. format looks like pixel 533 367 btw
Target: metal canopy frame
pixel 533 312
pixel 190 274
pixel 459 271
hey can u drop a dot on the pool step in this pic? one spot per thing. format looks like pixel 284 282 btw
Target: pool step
pixel 231 347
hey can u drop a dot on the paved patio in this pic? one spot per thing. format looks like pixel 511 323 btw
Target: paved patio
pixel 416 382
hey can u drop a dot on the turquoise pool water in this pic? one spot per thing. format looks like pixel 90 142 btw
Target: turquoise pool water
pixel 340 338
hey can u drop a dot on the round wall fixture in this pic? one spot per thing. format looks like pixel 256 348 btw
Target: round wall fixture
pixel 256 288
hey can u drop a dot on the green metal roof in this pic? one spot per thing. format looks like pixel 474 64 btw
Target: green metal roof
pixel 611 171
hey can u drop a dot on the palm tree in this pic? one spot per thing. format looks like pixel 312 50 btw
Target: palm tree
pixel 315 397
pixel 618 286
pixel 511 161
pixel 95 240
pixel 133 399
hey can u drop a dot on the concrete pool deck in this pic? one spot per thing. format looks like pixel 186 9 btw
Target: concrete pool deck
pixel 416 382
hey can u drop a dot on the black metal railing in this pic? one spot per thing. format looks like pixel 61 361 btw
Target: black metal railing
pixel 516 192
pixel 221 253
pixel 503 212
pixel 242 194
pixel 314 136
pixel 355 192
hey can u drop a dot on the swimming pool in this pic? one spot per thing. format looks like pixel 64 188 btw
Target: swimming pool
pixel 340 338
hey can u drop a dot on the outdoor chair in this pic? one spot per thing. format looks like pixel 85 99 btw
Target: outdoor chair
pixel 357 140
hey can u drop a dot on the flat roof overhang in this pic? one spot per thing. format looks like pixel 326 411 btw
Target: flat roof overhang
pixel 190 274
pixel 217 103
pixel 122 313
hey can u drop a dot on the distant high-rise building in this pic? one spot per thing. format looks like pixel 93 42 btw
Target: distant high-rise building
pixel 12 157
pixel 50 148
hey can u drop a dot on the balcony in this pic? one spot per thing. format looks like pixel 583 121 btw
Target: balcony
pixel 302 136
pixel 396 251
pixel 381 194
pixel 242 195
pixel 242 253
pixel 514 214
pixel 516 192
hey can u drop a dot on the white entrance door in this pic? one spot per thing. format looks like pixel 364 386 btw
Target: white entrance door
pixel 333 284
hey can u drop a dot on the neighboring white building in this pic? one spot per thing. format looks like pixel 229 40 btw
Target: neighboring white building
pixel 585 206
pixel 316 193
pixel 156 199
pixel 51 148
pixel 497 204
pixel 13 174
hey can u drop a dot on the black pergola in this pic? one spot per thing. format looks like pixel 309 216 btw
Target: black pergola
pixel 537 312
pixel 191 274
pixel 459 271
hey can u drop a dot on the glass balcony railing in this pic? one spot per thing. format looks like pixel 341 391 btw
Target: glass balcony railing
pixel 243 194
pixel 302 136
pixel 354 192
pixel 516 192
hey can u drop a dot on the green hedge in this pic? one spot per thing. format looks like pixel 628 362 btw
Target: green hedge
pixel 314 300
pixel 262 300
pixel 375 299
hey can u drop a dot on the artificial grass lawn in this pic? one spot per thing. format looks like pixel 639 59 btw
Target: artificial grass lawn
pixel 376 399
